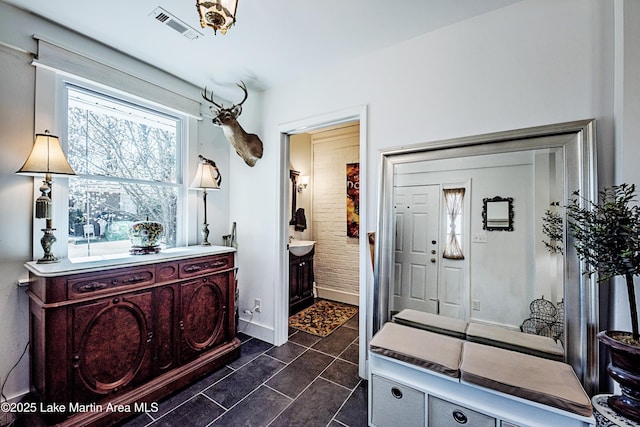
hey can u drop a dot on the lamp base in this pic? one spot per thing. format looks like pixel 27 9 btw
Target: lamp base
pixel 205 235
pixel 47 241
pixel 48 259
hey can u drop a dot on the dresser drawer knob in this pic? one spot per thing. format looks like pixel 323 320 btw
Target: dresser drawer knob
pixel 396 392
pixel 93 286
pixel 134 279
pixel 460 417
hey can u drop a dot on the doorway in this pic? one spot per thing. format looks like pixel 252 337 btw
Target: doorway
pixel 425 278
pixel 331 120
pixel 327 161
pixel 417 211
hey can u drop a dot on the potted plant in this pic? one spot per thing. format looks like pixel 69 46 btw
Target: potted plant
pixel 607 239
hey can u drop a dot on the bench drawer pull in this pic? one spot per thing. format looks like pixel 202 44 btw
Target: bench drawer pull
pixel 460 417
pixel 396 392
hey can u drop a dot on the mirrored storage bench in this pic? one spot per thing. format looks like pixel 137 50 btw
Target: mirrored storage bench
pixel 111 336
pixel 422 378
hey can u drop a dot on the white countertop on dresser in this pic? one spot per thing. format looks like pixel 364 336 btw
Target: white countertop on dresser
pixel 106 262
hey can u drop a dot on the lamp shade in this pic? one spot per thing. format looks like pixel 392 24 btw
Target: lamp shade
pixel 46 157
pixel 207 177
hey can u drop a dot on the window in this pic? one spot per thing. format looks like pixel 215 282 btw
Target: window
pixel 126 157
pixel 454 201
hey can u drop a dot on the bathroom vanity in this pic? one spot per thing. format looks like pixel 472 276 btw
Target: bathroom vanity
pixel 300 281
pixel 121 331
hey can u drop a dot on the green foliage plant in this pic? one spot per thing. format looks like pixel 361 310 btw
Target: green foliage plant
pixel 552 228
pixel 607 238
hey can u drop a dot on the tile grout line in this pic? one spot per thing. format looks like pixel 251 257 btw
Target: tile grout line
pixel 345 402
pixel 264 383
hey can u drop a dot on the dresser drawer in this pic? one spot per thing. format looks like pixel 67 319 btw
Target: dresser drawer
pixel 395 405
pixel 82 287
pixel 167 271
pixel 447 414
pixel 205 265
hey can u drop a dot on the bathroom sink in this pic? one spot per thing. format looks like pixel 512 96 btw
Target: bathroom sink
pixel 301 247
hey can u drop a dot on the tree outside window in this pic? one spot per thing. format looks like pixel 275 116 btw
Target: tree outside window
pixel 126 160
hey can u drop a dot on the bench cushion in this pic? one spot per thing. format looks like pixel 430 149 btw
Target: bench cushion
pixel 432 322
pixel 535 345
pixel 428 350
pixel 533 378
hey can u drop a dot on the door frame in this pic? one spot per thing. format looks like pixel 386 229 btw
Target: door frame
pixel 281 297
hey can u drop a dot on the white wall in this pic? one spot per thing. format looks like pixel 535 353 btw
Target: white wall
pixel 533 63
pixel 17 111
pixel 627 130
pixel 16 208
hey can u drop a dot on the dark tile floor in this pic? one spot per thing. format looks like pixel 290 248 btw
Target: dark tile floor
pixel 309 381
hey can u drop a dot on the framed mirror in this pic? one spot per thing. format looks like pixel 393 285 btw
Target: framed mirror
pixel 293 199
pixel 497 214
pixel 536 168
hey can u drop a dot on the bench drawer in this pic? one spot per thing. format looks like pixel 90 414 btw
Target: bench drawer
pixel 446 414
pixel 396 405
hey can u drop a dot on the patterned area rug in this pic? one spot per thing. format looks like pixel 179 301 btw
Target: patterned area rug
pixel 323 317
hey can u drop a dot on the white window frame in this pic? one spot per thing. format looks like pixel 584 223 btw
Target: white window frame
pixel 51 112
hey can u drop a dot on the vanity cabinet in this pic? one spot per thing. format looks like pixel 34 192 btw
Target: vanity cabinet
pixel 300 281
pixel 128 331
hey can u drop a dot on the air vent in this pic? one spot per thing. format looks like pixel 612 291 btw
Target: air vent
pixel 171 21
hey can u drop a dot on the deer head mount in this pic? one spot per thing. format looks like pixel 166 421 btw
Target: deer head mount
pixel 247 145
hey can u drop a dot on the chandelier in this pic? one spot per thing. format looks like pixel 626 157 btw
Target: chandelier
pixel 217 14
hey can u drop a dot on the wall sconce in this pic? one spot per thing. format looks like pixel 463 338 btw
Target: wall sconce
pixel 46 158
pixel 207 178
pixel 303 183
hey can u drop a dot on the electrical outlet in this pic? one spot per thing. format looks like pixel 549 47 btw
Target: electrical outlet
pixel 257 305
pixel 479 238
pixel 476 305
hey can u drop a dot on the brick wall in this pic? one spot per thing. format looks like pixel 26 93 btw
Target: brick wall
pixel 336 260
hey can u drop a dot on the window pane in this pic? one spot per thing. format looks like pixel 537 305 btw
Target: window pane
pixel 125 157
pixel 110 138
pixel 109 209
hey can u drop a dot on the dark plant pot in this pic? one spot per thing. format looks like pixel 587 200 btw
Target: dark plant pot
pixel 625 369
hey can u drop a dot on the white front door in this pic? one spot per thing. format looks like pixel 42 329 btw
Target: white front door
pixel 417 211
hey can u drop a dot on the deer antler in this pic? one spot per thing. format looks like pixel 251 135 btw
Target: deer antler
pixel 244 89
pixel 210 99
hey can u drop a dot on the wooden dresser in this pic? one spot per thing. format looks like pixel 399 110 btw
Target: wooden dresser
pixel 108 335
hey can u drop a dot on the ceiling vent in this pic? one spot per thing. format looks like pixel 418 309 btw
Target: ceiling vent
pixel 171 21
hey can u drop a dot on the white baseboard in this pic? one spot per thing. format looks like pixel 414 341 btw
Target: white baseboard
pixel 336 295
pixel 256 330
